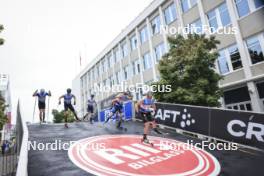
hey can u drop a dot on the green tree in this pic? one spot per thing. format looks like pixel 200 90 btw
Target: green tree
pixel 3 116
pixel 1 29
pixel 189 68
pixel 58 116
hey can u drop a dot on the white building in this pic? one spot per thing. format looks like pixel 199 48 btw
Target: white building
pixel 5 93
pixel 134 54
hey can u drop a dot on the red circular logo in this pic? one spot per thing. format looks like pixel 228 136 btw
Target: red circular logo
pixel 113 155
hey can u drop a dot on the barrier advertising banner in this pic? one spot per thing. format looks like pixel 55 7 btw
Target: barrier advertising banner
pixel 246 128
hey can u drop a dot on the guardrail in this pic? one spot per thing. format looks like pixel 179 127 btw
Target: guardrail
pixel 22 141
pixel 13 156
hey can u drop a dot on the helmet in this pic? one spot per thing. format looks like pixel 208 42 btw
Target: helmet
pixel 42 90
pixel 92 96
pixel 68 90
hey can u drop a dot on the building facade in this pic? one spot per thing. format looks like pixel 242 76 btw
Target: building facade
pixel 5 93
pixel 134 54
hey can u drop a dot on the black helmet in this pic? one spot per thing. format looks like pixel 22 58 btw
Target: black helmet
pixel 68 90
pixel 92 95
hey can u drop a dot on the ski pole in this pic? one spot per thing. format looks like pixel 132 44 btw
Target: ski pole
pixel 48 109
pixel 34 109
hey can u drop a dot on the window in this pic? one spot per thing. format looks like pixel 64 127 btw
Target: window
pixel 155 25
pixel 109 60
pixel 187 4
pixel 238 99
pixel 112 80
pixel 97 70
pixel 244 106
pixel 224 14
pixel 105 65
pixel 89 76
pixel 255 50
pixel 260 88
pixel 101 66
pixel 117 55
pixel 126 72
pixel 92 74
pixel 258 3
pixel 144 34
pixel 159 51
pixel 196 27
pixel 212 20
pixel 124 49
pixel 112 60
pixel 136 67
pixel 242 7
pixel 222 63
pixel 218 17
pixel 170 13
pixel 118 77
pixel 133 42
pixel 147 61
pixel 235 57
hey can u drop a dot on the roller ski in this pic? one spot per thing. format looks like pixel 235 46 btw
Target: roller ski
pixel 66 125
pixel 147 142
pixel 119 127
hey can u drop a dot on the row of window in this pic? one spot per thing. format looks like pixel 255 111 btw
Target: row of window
pixel 147 63
pixel 219 16
pixel 229 58
pixel 169 17
pixel 244 7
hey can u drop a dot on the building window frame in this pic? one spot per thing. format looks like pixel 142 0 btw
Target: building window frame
pixel 124 49
pixel 133 42
pixel 155 25
pixel 260 38
pixel 217 17
pixel 159 51
pixel 144 34
pixel 189 4
pixel 147 61
pixel 247 106
pixel 251 6
pixel 170 12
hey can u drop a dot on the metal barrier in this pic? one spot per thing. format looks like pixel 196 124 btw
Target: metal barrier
pixel 22 141
pixel 13 156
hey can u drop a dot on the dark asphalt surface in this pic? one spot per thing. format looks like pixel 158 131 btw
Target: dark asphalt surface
pixel 57 163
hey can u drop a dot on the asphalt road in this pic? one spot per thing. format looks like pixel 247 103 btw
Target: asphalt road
pixel 241 162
